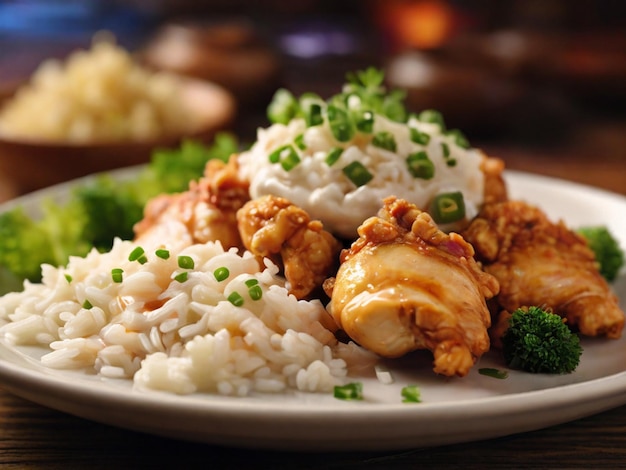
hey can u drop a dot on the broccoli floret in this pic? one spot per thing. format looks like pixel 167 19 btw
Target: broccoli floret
pixel 608 253
pixel 25 245
pixel 539 341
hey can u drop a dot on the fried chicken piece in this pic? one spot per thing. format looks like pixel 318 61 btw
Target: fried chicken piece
pixel 405 285
pixel 206 212
pixel 545 264
pixel 495 189
pixel 273 227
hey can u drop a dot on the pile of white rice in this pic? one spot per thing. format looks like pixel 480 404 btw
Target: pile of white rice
pixel 179 335
pixel 328 195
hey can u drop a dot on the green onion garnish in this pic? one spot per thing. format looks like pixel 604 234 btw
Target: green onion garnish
pixel 419 137
pixel 340 124
pixel 333 156
pixel 251 282
pixel 137 253
pixel 221 274
pixel 286 155
pixel 351 391
pixel 314 115
pixel 445 148
pixel 186 262
pixel 365 122
pixel 459 138
pixel 290 161
pixel 411 394
pixel 68 278
pixel 385 140
pixel 283 107
pixel 357 173
pixel 162 253
pixel 299 141
pixel 451 162
pixel 255 292
pixel 434 117
pixel 236 299
pixel 495 373
pixel 87 305
pixel 182 277
pixel 117 274
pixel 420 166
pixel 448 207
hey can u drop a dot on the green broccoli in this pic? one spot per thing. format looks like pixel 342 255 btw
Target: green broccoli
pixel 606 248
pixel 539 341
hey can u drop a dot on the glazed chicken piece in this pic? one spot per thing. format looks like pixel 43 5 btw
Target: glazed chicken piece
pixel 273 227
pixel 495 186
pixel 405 285
pixel 206 212
pixel 541 263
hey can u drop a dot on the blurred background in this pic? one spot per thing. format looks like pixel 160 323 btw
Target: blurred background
pixel 539 83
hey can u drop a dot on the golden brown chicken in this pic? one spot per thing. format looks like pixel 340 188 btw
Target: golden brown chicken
pixel 406 285
pixel 206 212
pixel 541 263
pixel 273 227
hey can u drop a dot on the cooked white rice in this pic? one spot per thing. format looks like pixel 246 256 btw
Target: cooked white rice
pixel 181 337
pixel 328 195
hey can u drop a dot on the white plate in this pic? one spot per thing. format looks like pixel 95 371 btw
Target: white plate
pixel 453 409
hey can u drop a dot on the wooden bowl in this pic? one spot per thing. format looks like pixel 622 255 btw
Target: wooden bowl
pixel 30 164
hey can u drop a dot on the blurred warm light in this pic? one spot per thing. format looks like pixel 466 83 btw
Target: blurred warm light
pixel 422 24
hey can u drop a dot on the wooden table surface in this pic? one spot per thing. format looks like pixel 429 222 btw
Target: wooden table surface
pixel 32 436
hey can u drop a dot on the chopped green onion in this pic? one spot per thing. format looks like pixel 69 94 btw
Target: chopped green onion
pixel 290 161
pixel 445 148
pixel 311 107
pixel 451 162
pixel 419 137
pixel 117 274
pixel 365 122
pixel 255 292
pixel 459 138
pixel 434 117
pixel 137 253
pixel 411 394
pixel 333 156
pixel 420 166
pixel 495 373
pixel 286 155
pixel 351 391
pixel 299 141
pixel 182 277
pixel 314 115
pixel 68 278
pixel 283 107
pixel 448 207
pixel 221 274
pixel 186 262
pixel 340 124
pixel 163 254
pixel 143 259
pixel 357 173
pixel 87 305
pixel 236 299
pixel 251 282
pixel 385 140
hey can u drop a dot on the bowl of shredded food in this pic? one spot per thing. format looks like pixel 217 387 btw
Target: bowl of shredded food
pixel 100 109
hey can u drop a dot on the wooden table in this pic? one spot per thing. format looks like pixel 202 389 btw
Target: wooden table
pixel 32 436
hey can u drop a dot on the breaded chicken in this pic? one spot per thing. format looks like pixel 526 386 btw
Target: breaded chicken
pixel 405 285
pixel 545 264
pixel 273 227
pixel 206 212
